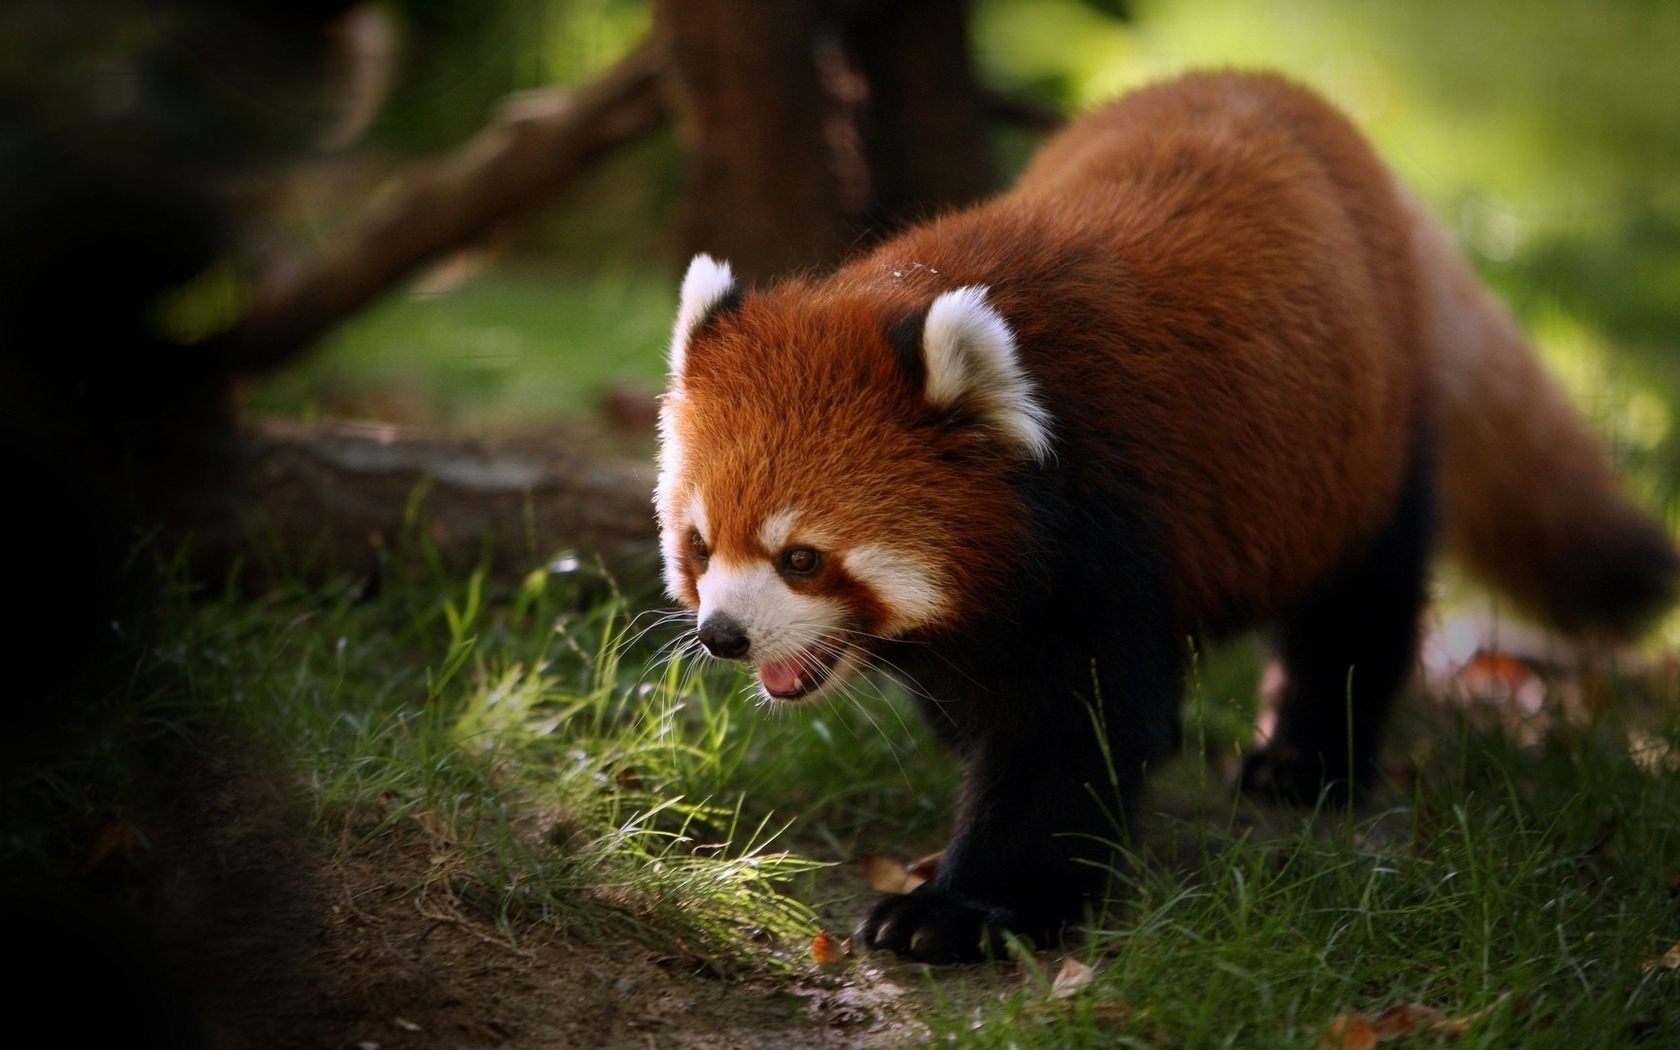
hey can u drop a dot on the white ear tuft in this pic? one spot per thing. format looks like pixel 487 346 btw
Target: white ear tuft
pixel 970 354
pixel 707 283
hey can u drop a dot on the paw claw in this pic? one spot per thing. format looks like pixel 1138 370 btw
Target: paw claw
pixel 926 925
pixel 935 926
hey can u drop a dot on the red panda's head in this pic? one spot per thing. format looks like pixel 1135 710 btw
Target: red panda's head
pixel 835 466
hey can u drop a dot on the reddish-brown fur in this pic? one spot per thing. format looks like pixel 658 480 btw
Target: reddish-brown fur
pixel 1177 270
pixel 855 419
pixel 1532 506
pixel 1254 351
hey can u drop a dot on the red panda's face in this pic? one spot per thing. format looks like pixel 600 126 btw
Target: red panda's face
pixel 814 497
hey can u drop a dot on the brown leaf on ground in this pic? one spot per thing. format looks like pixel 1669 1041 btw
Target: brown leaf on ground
pixel 885 874
pixel 891 875
pixel 926 868
pixel 1403 1019
pixel 1350 1031
pixel 826 951
pixel 1669 960
pixel 1356 1031
pixel 1071 979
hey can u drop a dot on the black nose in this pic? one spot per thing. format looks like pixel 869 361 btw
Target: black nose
pixel 724 638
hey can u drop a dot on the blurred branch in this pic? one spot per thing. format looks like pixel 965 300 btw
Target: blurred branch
pixel 537 142
pixel 1021 112
pixel 339 497
pixel 534 146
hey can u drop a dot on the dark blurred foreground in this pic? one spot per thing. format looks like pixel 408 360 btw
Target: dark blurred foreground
pixel 122 128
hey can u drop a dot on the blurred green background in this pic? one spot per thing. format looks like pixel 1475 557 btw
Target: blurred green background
pixel 1547 133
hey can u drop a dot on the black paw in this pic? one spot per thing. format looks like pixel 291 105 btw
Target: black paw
pixel 931 926
pixel 1286 775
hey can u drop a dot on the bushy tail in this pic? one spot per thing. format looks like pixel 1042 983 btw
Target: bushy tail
pixel 1530 503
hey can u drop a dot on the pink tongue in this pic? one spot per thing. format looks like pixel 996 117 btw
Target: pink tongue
pixel 780 676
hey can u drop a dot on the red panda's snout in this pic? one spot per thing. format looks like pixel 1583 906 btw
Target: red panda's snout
pixel 724 638
pixel 794 677
pixel 806 612
pixel 798 629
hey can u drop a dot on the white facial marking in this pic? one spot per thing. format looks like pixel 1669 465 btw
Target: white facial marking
pixel 782 528
pixel 670 441
pixel 910 587
pixel 665 495
pixel 670 552
pixel 676 519
pixel 706 283
pixel 775 530
pixel 970 353
pixel 697 519
pixel 779 622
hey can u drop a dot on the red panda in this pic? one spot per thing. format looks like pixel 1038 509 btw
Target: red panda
pixel 1204 368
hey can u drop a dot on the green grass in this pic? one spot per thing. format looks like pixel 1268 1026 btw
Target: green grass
pixel 561 786
pixel 567 767
pixel 1540 895
pixel 515 348
pixel 563 768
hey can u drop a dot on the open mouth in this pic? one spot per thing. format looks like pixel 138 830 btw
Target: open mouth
pixel 799 675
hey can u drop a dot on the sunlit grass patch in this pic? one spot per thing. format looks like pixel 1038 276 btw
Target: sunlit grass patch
pixel 508 349
pixel 558 771
pixel 535 758
pixel 1522 893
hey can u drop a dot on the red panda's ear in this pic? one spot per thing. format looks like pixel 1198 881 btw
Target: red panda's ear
pixel 708 287
pixel 968 350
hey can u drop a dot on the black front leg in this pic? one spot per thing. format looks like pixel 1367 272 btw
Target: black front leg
pixel 1027 821
pixel 1047 800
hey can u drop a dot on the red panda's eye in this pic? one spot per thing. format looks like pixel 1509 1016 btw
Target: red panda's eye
pixel 800 561
pixel 697 547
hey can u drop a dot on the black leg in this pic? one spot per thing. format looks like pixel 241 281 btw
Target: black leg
pixel 1047 798
pixel 1347 652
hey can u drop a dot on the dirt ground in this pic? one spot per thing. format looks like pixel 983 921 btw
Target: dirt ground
pixel 284 939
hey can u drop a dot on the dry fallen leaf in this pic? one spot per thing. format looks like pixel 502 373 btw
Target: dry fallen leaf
pixel 825 950
pixel 885 874
pixel 1669 960
pixel 1355 1031
pixel 1073 977
pixel 1350 1031
pixel 891 875
pixel 926 868
pixel 1404 1019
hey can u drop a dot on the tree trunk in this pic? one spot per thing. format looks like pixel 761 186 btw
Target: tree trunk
pixel 810 125
pixel 765 190
pixel 923 131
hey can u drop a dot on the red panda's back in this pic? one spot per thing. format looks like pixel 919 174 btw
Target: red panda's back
pixel 1209 280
